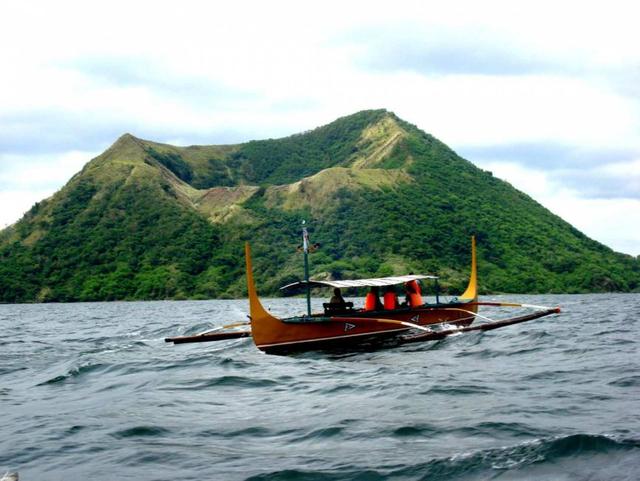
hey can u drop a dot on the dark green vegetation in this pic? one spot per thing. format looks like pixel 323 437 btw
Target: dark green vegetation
pixel 152 221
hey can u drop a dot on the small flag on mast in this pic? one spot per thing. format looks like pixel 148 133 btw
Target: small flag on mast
pixel 306 245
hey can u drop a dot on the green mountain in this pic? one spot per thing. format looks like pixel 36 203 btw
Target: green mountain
pixel 153 221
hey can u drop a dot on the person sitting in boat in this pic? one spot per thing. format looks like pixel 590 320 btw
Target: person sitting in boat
pixel 337 304
pixel 390 298
pixel 337 300
pixel 372 300
pixel 413 293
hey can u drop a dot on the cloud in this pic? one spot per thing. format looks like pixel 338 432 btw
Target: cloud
pixel 609 181
pixel 605 219
pixel 199 89
pixel 55 131
pixel 497 38
pixel 41 172
pixel 27 179
pixel 550 155
pixel 446 51
pixel 16 203
pixel 612 173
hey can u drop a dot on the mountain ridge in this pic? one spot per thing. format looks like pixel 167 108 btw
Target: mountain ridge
pixel 146 220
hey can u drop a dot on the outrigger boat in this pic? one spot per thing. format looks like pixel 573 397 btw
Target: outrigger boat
pixel 460 311
pixel 349 327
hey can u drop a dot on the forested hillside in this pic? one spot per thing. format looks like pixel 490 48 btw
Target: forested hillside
pixel 152 221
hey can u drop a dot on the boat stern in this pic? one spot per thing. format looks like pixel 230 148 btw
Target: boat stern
pixel 262 323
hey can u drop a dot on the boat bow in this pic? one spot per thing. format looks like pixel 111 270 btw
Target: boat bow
pixel 471 293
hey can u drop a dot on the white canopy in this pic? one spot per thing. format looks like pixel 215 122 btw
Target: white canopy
pixel 376 281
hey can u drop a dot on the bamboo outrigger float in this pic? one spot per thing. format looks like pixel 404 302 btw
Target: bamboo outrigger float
pixel 351 328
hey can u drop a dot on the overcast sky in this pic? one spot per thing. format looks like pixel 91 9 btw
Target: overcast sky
pixel 546 95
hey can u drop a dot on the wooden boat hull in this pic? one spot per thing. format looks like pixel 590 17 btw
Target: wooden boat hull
pixel 328 334
pixel 362 328
pixel 460 313
pixel 336 342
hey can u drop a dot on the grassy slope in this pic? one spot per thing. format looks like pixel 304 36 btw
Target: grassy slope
pixel 147 220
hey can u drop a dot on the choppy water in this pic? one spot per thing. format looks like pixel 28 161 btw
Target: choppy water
pixel 92 392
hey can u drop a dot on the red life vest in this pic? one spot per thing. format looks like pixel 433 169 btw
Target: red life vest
pixel 370 302
pixel 414 293
pixel 390 300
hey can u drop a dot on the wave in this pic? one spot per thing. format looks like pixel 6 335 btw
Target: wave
pixel 141 431
pixel 11 370
pixel 73 373
pixel 580 455
pixel 463 389
pixel 416 430
pixel 626 381
pixel 323 433
pixel 497 429
pixel 224 381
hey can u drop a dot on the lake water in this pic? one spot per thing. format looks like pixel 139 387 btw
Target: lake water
pixel 92 392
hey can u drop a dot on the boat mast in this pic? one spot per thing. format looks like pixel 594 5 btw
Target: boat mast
pixel 305 249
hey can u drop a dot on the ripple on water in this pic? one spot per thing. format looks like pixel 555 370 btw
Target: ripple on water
pixel 141 431
pixel 74 373
pixel 320 434
pixel 499 429
pixel 462 389
pixel 626 381
pixel 252 432
pixel 231 381
pixel 415 430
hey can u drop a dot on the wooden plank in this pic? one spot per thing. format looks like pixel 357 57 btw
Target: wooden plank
pixel 434 336
pixel 210 337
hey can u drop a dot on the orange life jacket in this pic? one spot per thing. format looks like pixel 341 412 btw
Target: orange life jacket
pixel 370 302
pixel 415 294
pixel 390 300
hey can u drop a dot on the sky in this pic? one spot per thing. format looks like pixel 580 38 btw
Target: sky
pixel 544 94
